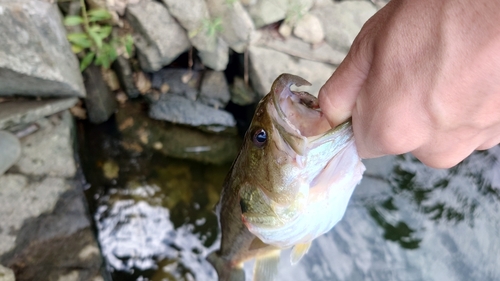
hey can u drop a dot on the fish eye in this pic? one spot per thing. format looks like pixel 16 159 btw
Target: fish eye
pixel 259 137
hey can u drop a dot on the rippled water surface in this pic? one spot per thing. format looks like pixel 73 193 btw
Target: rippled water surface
pixel 405 221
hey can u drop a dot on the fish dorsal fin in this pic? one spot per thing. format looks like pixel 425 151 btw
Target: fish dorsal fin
pixel 266 267
pixel 298 252
pixel 257 244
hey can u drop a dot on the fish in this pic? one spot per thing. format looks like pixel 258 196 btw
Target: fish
pixel 290 183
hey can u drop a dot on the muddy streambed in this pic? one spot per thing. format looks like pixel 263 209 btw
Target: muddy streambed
pixel 154 220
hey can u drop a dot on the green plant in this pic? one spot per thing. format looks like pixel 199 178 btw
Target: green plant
pixel 95 42
pixel 211 27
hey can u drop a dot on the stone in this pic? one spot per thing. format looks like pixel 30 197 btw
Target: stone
pixel 49 151
pixel 241 94
pixel 263 73
pixel 123 71
pixel 173 140
pixel 214 90
pixel 295 47
pixel 180 110
pixel 100 101
pixel 158 37
pixel 35 56
pixel 181 82
pixel 237 26
pixel 265 12
pixel 217 59
pixel 23 112
pixel 10 150
pixel 6 274
pixel 342 21
pixel 21 199
pixel 309 29
pixel 193 15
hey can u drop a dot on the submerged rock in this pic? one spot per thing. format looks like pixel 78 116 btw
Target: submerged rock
pixel 181 110
pixel 10 150
pixel 139 131
pixel 35 56
pixel 158 37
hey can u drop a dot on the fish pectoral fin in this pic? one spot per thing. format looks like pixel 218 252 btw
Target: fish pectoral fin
pixel 225 271
pixel 266 267
pixel 257 244
pixel 298 252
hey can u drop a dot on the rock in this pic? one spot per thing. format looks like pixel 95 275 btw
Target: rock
pixel 180 110
pixel 298 48
pixel 178 81
pixel 218 59
pixel 266 12
pixel 237 26
pixel 10 150
pixel 173 140
pixel 23 112
pixel 263 73
pixel 64 225
pixel 342 21
pixel 193 15
pixel 22 199
pixel 50 150
pixel 125 75
pixel 6 274
pixel 309 29
pixel 158 37
pixel 100 101
pixel 241 94
pixel 214 90
pixel 34 61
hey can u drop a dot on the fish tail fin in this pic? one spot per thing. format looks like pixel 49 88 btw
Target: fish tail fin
pixel 298 252
pixel 266 267
pixel 225 270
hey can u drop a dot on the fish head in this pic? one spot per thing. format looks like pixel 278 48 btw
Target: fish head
pixel 292 159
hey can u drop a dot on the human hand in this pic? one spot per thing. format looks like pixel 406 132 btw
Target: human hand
pixel 422 77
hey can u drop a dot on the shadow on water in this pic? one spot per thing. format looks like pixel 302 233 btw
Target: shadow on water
pixel 154 218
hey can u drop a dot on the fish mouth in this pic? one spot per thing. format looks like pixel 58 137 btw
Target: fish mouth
pixel 297 115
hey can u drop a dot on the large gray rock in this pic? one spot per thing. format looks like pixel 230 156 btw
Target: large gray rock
pixel 214 90
pixel 182 82
pixel 266 65
pixel 50 150
pixel 10 150
pixel 123 71
pixel 265 12
pixel 180 110
pixel 343 20
pixel 237 26
pixel 100 101
pixel 23 112
pixel 158 37
pixel 309 29
pixel 35 56
pixel 300 49
pixel 217 59
pixel 6 274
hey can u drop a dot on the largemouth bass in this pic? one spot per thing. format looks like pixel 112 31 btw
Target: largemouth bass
pixel 290 183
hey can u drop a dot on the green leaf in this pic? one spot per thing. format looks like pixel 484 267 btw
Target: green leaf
pixel 98 15
pixel 95 36
pixel 80 39
pixel 129 44
pixel 102 59
pixel 76 49
pixel 73 20
pixel 105 31
pixel 86 61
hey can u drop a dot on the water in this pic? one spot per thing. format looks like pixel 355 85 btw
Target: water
pixel 405 221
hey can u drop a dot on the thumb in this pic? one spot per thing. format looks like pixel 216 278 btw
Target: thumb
pixel 338 96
